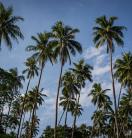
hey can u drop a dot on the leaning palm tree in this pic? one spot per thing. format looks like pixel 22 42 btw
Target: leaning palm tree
pixel 8 26
pixel 109 34
pixel 64 37
pixel 123 72
pixel 31 71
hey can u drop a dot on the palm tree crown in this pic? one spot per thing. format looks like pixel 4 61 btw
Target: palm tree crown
pixel 99 96
pixel 82 72
pixel 8 27
pixel 65 41
pixel 106 32
pixel 31 69
pixel 123 69
pixel 43 48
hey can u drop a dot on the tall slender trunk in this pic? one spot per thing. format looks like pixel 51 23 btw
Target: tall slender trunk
pixel 65 125
pixel 66 118
pixel 35 104
pixel 22 124
pixel 57 97
pixel 21 114
pixel 74 125
pixel 41 72
pixel 114 94
pixel 61 117
pixel 119 97
pixel 75 117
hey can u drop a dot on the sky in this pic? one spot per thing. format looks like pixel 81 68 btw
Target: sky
pixel 40 16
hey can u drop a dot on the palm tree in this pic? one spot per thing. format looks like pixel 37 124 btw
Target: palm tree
pixel 69 92
pixel 106 32
pixel 99 97
pixel 99 121
pixel 76 111
pixel 15 113
pixel 64 38
pixel 125 113
pixel 31 71
pixel 82 71
pixel 43 52
pixel 37 99
pixel 8 26
pixel 67 102
pixel 123 71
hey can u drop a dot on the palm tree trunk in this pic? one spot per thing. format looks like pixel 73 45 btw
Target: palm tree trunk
pixel 119 97
pixel 35 104
pixel 114 94
pixel 75 117
pixel 31 129
pixel 74 125
pixel 65 126
pixel 21 114
pixel 41 72
pixel 22 125
pixel 61 117
pixel 66 118
pixel 57 97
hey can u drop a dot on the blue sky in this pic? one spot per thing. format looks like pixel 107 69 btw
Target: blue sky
pixel 40 16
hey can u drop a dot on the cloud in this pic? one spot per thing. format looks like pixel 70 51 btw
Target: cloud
pixel 93 52
pixel 85 100
pixel 100 70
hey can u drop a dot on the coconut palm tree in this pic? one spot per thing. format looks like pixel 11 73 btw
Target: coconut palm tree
pixel 67 102
pixel 125 113
pixel 82 71
pixel 106 33
pixel 99 97
pixel 37 99
pixel 31 71
pixel 99 121
pixel 123 71
pixel 8 26
pixel 69 92
pixel 64 38
pixel 76 111
pixel 43 52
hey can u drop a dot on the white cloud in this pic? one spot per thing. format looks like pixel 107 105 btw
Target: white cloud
pixel 93 52
pixel 100 70
pixel 85 100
